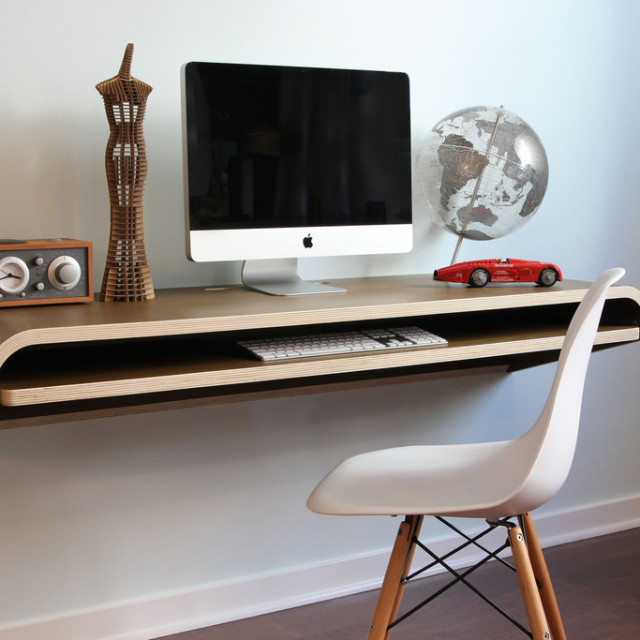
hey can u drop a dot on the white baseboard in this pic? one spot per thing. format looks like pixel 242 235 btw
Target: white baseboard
pixel 234 600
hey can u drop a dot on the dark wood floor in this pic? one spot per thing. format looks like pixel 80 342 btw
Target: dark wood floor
pixel 597 583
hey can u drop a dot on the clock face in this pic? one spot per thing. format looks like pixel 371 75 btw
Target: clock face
pixel 14 275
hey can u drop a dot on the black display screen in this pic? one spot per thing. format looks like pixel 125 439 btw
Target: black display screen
pixel 271 146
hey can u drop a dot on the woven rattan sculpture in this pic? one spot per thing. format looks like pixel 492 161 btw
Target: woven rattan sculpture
pixel 127 276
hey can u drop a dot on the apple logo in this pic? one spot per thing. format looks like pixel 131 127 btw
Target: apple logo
pixel 307 242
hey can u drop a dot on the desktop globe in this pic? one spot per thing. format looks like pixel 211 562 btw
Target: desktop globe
pixel 482 173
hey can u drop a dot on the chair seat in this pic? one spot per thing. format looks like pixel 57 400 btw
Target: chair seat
pixel 474 480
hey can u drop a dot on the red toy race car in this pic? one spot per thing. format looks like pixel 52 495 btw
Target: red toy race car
pixel 479 272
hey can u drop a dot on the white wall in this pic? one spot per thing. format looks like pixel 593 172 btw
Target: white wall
pixel 103 512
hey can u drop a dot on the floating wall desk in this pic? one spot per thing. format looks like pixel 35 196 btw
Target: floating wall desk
pixel 82 360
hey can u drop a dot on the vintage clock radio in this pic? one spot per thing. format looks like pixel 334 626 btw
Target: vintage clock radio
pixel 52 271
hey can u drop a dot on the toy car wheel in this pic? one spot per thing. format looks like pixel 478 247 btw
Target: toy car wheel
pixel 479 277
pixel 548 277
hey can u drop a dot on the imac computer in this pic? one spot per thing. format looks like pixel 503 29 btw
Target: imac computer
pixel 289 162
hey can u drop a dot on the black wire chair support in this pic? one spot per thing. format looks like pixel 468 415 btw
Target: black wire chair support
pixel 461 577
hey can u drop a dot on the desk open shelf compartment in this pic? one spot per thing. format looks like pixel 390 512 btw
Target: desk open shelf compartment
pixel 100 369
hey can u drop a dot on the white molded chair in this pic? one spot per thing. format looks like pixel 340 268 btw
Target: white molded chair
pixel 492 480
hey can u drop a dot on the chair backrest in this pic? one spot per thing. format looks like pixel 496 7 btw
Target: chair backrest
pixel 553 437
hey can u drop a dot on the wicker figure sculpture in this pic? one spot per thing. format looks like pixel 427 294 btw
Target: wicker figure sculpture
pixel 127 276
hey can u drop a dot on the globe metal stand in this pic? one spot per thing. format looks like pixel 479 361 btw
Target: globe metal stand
pixel 465 224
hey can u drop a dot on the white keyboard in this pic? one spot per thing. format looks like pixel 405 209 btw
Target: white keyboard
pixel 330 343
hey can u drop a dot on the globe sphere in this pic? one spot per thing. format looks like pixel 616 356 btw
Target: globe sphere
pixel 481 172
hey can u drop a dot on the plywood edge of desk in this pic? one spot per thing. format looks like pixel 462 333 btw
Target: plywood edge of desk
pixel 41 391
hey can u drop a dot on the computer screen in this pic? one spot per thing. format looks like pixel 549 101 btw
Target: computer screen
pixel 288 162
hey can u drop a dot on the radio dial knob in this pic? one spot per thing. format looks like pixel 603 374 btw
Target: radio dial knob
pixel 64 273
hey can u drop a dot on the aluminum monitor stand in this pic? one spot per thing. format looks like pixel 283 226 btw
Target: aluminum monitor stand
pixel 280 278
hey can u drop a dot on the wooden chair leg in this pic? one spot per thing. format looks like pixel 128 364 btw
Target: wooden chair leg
pixel 393 586
pixel 528 586
pixel 541 573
